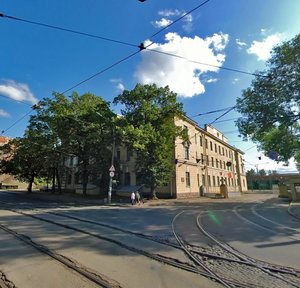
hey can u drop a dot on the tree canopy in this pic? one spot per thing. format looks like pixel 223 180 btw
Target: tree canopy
pixel 270 106
pixel 149 130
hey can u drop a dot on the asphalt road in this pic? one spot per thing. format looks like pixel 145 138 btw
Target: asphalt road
pixel 116 242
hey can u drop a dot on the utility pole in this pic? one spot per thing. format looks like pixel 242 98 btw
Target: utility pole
pixel 112 168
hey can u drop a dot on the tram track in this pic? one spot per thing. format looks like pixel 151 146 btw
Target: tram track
pixel 84 270
pixel 227 264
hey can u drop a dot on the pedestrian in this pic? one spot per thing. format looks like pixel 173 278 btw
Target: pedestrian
pixel 132 198
pixel 138 197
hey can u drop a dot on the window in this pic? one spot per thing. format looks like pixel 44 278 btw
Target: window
pixel 127 178
pixel 216 150
pixel 206 143
pixel 209 181
pixel 207 160
pixel 211 146
pixel 195 138
pixel 187 179
pixel 186 151
pixel 217 163
pixel 226 152
pixel 212 162
pixel 223 151
pixel 128 154
pixel 220 164
pixel 203 180
pixel 202 158
pixel 119 155
pixel 201 143
pixel 198 180
pixel 214 181
pixel 220 150
pixel 218 180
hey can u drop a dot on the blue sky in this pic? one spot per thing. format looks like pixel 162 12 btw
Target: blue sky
pixel 238 34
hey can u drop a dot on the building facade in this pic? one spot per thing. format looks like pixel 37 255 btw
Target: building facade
pixel 202 164
pixel 206 161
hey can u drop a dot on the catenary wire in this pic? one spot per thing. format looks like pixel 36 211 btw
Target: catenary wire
pixel 141 47
pixel 67 30
pixel 15 100
pixel 210 112
pixel 207 64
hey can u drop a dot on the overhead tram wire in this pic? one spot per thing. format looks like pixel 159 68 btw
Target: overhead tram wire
pixel 67 30
pixel 178 19
pixel 210 112
pixel 16 122
pixel 141 47
pixel 207 64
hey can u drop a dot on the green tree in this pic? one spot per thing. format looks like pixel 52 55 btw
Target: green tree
pixel 148 129
pixel 270 106
pixel 24 158
pixel 80 125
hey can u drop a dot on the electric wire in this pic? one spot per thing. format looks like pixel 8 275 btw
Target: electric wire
pixel 207 64
pixel 15 100
pixel 141 47
pixel 178 19
pixel 67 30
pixel 16 122
pixel 210 112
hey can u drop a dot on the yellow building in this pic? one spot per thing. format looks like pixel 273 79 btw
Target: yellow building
pixel 204 164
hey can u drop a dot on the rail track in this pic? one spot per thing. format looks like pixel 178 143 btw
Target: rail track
pixel 84 271
pixel 232 268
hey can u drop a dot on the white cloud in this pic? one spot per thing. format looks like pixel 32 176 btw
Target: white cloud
pixel 188 23
pixel 240 43
pixel 167 16
pixel 163 22
pixel 169 12
pixel 252 162
pixel 211 80
pixel 180 75
pixel 17 91
pixel 121 87
pixel 4 113
pixel 235 80
pixel 262 49
pixel 119 84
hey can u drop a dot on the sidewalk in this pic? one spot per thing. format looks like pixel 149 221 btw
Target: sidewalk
pixel 294 209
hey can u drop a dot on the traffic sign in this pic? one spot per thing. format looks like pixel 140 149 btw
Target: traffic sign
pixel 112 169
pixel 111 174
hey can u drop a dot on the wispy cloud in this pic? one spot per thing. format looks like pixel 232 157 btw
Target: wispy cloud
pixel 163 22
pixel 262 49
pixel 169 15
pixel 169 12
pixel 240 44
pixel 4 114
pixel 211 80
pixel 183 77
pixel 119 84
pixel 17 91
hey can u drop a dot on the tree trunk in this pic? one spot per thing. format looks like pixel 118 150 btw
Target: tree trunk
pixel 31 179
pixel 153 193
pixel 58 181
pixel 84 179
pixel 53 180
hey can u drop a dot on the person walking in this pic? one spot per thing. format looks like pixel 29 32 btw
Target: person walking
pixel 138 197
pixel 132 198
